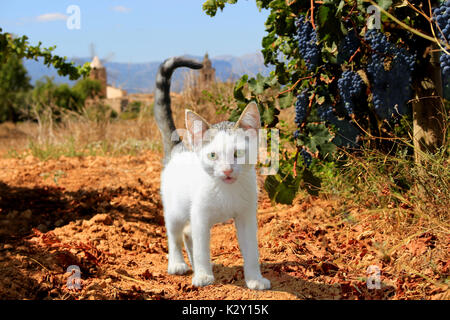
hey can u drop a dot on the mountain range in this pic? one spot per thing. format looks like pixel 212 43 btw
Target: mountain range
pixel 140 77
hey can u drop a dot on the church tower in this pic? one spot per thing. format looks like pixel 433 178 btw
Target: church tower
pixel 207 74
pixel 98 72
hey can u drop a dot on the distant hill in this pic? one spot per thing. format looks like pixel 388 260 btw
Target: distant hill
pixel 140 77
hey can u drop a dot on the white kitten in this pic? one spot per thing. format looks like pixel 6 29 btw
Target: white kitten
pixel 209 185
pixel 210 182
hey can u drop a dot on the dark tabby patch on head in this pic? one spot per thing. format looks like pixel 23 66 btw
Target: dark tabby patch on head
pixel 215 128
pixel 224 125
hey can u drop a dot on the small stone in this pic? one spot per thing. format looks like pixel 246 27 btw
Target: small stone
pixel 92 288
pixel 103 218
pixel 42 228
pixel 366 234
pixel 86 224
pixel 59 223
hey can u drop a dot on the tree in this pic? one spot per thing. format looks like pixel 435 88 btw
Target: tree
pixel 13 80
pixel 14 83
pixel 46 93
pixel 87 89
pixel 20 47
pixel 355 67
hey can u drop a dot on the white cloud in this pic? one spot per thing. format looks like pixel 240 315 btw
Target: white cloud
pixel 51 17
pixel 121 9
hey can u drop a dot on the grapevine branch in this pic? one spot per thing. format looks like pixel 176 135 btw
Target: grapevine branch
pixel 428 18
pixel 434 35
pixel 353 56
pixel 293 86
pixel 415 31
pixel 312 15
pixel 295 161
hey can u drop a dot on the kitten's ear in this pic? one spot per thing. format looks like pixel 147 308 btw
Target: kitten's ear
pixel 250 118
pixel 196 125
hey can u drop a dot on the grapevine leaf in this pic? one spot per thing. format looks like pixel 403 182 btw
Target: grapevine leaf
pixel 257 85
pixel 323 15
pixel 311 183
pixel 282 190
pixel 285 100
pixel 320 100
pixel 385 4
pixel 238 88
pixel 268 115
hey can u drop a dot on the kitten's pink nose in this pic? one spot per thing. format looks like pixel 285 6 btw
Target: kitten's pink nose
pixel 228 172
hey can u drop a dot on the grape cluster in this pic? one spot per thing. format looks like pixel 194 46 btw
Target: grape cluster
pixel 307 42
pixel 389 71
pixel 301 107
pixel 350 87
pixel 307 158
pixel 347 47
pixel 325 112
pixel 442 16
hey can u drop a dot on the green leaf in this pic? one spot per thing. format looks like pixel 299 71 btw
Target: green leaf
pixel 311 183
pixel 257 85
pixel 268 115
pixel 285 100
pixel 323 15
pixel 281 190
pixel 318 139
pixel 320 100
pixel 385 4
pixel 340 7
pixel 238 88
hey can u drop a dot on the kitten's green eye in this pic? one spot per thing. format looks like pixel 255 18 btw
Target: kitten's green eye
pixel 239 153
pixel 212 156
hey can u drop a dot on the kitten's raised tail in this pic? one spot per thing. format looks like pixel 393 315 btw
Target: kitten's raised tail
pixel 162 109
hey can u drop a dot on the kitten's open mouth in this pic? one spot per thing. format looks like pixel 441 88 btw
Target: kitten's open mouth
pixel 229 179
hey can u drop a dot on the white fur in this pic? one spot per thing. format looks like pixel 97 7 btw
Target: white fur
pixel 195 197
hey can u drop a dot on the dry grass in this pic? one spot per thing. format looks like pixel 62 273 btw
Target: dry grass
pixel 94 132
pixel 76 136
pixel 404 207
pixel 210 101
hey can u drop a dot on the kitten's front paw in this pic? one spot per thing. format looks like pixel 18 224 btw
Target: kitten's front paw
pixel 202 279
pixel 258 284
pixel 177 268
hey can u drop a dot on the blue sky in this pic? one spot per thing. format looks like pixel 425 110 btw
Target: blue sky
pixel 137 31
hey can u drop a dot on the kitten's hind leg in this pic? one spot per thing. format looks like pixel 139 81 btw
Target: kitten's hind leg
pixel 174 237
pixel 187 239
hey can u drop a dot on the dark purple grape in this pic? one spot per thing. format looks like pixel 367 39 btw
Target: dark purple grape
pixel 301 108
pixel 350 87
pixel 307 158
pixel 442 16
pixel 391 87
pixel 347 47
pixel 306 38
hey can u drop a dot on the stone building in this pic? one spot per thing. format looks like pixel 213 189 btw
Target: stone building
pixel 98 72
pixel 207 74
pixel 116 98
